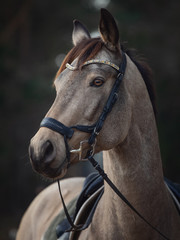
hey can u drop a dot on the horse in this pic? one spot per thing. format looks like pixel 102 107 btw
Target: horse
pixel 127 136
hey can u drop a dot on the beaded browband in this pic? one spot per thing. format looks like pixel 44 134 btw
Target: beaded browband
pixel 70 67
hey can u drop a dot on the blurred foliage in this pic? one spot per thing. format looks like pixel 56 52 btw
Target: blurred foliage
pixel 32 35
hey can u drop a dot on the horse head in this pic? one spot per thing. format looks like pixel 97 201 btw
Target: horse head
pixel 83 84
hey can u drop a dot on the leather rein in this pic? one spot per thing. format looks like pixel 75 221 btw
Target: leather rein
pixel 94 130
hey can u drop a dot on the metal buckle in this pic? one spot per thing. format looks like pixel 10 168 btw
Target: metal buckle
pixel 120 74
pixel 95 132
pixel 80 150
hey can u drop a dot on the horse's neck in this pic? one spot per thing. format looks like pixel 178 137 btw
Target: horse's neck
pixel 135 168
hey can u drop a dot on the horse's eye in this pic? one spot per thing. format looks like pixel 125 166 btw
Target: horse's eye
pixel 97 82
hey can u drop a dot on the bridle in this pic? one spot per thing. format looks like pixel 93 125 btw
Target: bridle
pixel 94 130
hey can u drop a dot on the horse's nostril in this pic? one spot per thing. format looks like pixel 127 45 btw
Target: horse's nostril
pixel 48 152
pixel 49 148
pixel 43 156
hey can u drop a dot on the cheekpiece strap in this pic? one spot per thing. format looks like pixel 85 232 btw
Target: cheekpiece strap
pixel 110 102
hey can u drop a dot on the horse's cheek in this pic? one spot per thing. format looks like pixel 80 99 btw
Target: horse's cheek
pixel 92 109
pixel 113 133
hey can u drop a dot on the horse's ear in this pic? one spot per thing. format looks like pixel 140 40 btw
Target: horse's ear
pixel 108 29
pixel 80 32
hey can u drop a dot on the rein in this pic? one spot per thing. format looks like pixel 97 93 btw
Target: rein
pixel 94 130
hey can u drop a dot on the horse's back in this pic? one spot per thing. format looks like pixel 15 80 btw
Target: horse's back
pixel 45 207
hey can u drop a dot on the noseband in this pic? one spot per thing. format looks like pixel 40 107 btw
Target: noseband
pixel 94 129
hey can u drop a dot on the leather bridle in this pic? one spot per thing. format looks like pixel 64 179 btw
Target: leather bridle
pixel 94 130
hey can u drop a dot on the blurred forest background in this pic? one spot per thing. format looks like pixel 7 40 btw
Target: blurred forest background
pixel 34 38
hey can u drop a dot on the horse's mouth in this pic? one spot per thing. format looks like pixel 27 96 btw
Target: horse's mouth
pixel 55 173
pixel 49 172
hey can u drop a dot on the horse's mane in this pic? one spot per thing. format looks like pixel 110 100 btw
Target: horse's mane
pixel 88 49
pixel 146 73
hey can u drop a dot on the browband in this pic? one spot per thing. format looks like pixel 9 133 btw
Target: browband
pixel 70 67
